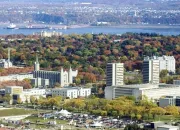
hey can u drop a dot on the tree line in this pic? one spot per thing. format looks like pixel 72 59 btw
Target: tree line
pixel 89 53
pixel 124 106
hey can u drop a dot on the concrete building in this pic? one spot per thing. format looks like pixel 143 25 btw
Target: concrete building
pixel 6 63
pixel 152 91
pixel 176 82
pixel 18 77
pixel 169 101
pixel 24 95
pixel 64 78
pixel 151 70
pixel 50 34
pixel 13 90
pixel 168 127
pixel 36 82
pixel 167 63
pixel 71 92
pixel 114 74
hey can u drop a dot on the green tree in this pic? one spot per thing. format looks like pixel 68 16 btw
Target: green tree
pixel 57 85
pixel 172 110
pixel 7 98
pixel 19 101
pixel 163 73
pixel 32 100
pixel 157 111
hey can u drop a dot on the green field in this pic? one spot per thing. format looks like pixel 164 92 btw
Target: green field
pixel 166 118
pixel 17 111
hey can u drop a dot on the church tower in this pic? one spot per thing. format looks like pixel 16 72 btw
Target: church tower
pixel 36 64
pixel 62 77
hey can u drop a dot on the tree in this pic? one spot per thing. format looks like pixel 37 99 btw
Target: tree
pixel 7 98
pixel 57 85
pixel 32 100
pixel 1 98
pixel 163 73
pixel 172 110
pixel 19 101
pixel 157 111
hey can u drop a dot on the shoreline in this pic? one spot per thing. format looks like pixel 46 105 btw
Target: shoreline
pixel 133 26
pixel 156 26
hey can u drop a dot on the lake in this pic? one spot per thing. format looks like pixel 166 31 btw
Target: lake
pixel 97 30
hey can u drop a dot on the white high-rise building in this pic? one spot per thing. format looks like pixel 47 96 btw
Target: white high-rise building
pixel 151 70
pixel 36 64
pixel 114 74
pixel 6 63
pixel 167 63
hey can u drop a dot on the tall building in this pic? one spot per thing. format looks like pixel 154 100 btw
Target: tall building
pixel 114 74
pixel 36 64
pixel 167 63
pixel 6 63
pixel 151 70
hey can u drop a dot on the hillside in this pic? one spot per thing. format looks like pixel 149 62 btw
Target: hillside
pixel 90 53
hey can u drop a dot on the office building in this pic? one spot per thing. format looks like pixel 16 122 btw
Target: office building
pixel 167 63
pixel 168 127
pixel 169 101
pixel 114 74
pixel 17 92
pixel 71 92
pixel 152 91
pixel 176 82
pixel 151 70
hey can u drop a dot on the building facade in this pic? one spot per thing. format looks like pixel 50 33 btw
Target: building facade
pixel 17 92
pixel 169 101
pixel 6 63
pixel 64 78
pixel 151 91
pixel 151 70
pixel 167 63
pixel 50 34
pixel 18 77
pixel 114 74
pixel 71 92
pixel 176 82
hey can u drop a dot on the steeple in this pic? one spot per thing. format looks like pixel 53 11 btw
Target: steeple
pixel 62 77
pixel 36 64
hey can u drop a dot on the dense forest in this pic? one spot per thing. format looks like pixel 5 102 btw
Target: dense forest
pixel 90 53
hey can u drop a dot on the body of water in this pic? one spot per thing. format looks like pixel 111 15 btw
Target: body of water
pixel 96 30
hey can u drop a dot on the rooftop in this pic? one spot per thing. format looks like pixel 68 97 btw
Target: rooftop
pixel 167 126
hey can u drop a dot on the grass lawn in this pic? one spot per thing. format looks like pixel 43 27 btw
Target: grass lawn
pixel 165 118
pixel 16 112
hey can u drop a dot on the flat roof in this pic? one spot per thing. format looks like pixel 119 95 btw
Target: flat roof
pixel 167 126
pixel 138 86
pixel 70 88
